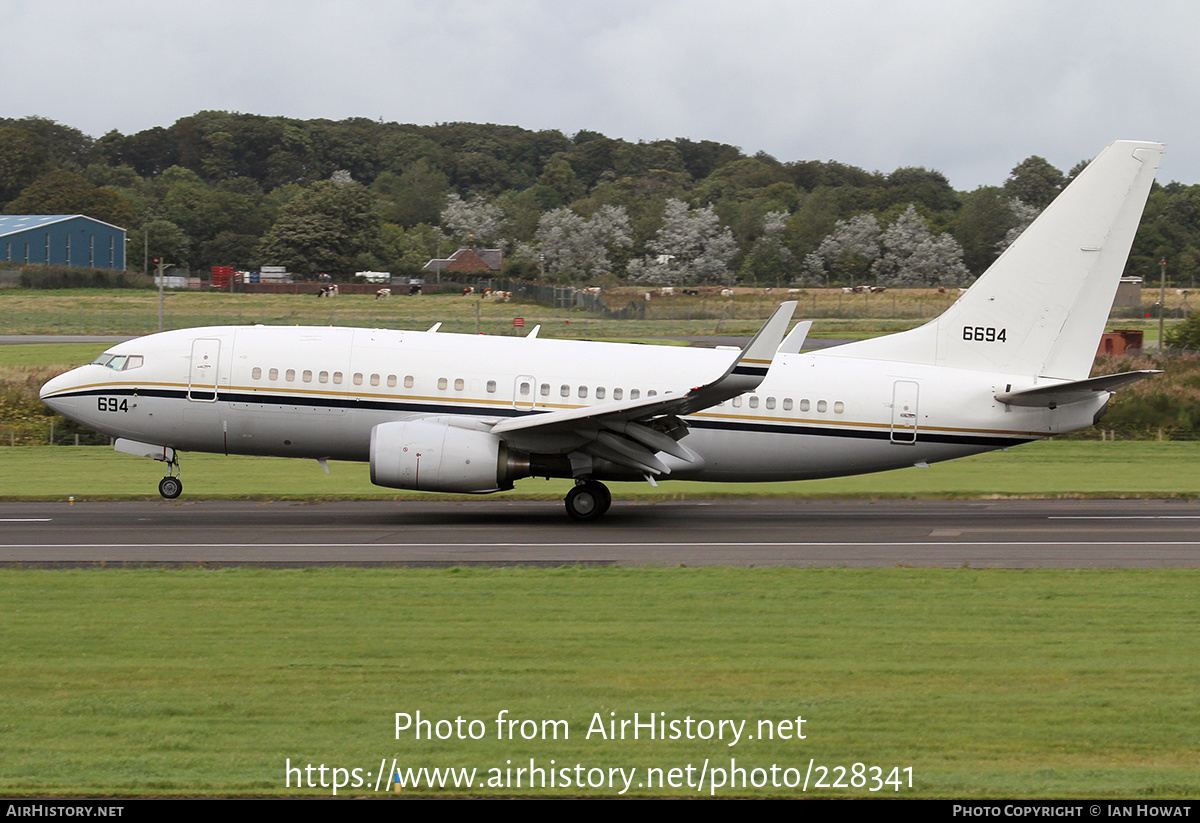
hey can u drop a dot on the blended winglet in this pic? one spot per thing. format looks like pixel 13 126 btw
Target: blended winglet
pixel 794 342
pixel 756 358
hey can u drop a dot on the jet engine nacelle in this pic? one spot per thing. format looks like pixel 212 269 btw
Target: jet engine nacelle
pixel 434 455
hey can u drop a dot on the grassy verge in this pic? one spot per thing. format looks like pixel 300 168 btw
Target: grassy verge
pixel 1048 469
pixel 986 684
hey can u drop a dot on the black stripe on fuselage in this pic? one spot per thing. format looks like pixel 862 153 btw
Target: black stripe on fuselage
pixel 410 407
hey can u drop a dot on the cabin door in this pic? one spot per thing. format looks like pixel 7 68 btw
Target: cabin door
pixel 202 374
pixel 904 412
pixel 524 392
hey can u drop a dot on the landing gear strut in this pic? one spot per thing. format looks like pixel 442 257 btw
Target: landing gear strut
pixel 588 500
pixel 171 486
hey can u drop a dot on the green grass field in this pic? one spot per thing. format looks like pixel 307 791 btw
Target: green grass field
pixel 986 684
pixel 135 312
pixel 1069 468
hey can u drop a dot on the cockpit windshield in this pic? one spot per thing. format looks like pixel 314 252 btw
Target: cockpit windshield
pixel 119 362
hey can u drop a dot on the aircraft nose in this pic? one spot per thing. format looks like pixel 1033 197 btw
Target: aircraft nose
pixel 55 386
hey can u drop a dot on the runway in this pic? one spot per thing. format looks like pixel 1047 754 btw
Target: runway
pixel 1013 534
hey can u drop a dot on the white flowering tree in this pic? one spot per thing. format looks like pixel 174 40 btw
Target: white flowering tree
pixel 692 247
pixel 914 257
pixel 571 245
pixel 1024 214
pixel 848 253
pixel 474 221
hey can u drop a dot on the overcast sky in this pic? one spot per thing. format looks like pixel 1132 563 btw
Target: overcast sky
pixel 968 88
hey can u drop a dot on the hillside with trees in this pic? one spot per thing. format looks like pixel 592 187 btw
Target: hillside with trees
pixel 220 188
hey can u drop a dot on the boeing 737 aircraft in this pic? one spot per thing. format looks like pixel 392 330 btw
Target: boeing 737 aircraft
pixel 1008 363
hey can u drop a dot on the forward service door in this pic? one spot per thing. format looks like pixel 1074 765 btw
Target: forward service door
pixel 202 373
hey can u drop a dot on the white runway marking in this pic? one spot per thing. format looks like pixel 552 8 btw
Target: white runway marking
pixel 1124 517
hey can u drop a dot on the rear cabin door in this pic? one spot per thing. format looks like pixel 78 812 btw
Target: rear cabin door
pixel 904 412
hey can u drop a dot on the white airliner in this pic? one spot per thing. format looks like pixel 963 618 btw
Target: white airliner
pixel 1008 363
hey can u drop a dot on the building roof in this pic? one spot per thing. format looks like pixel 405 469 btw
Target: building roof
pixel 13 223
pixel 467 260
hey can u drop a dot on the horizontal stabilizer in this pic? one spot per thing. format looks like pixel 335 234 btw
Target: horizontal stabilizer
pixel 1060 394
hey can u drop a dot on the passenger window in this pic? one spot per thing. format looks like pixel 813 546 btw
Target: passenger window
pixel 618 394
pixel 804 405
pixel 337 378
pixel 545 389
pixel 821 406
pixel 525 388
pixel 599 392
pixel 753 401
pixel 651 393
pixel 458 384
pixel 358 378
pixel 374 380
pixel 291 375
pixel 634 394
pixel 256 373
pixel 787 404
pixel 408 381
pixel 323 377
pixel 491 387
pixel 770 402
pixel 582 392
pixel 737 402
pixel 273 374
pixel 565 390
pixel 442 383
pixel 307 376
pixel 391 381
pixel 839 407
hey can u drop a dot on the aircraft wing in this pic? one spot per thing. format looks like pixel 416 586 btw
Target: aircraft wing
pixel 632 432
pixel 1060 394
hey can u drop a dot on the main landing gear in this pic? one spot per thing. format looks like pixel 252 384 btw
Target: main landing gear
pixel 588 500
pixel 171 486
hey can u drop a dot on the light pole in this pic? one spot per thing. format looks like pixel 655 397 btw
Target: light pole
pixel 1162 301
pixel 161 278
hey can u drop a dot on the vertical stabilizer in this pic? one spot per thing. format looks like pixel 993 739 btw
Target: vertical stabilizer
pixel 1040 309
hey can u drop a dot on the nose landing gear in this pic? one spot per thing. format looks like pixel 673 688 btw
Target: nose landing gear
pixel 588 500
pixel 171 486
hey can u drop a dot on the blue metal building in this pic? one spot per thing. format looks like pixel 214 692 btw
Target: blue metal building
pixel 61 240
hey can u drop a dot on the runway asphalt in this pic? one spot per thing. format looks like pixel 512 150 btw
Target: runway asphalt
pixel 1011 534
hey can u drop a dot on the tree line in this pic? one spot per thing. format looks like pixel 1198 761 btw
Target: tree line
pixel 220 188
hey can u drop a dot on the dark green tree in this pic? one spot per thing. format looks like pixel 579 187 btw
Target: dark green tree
pixel 329 227
pixel 1034 182
pixel 65 192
